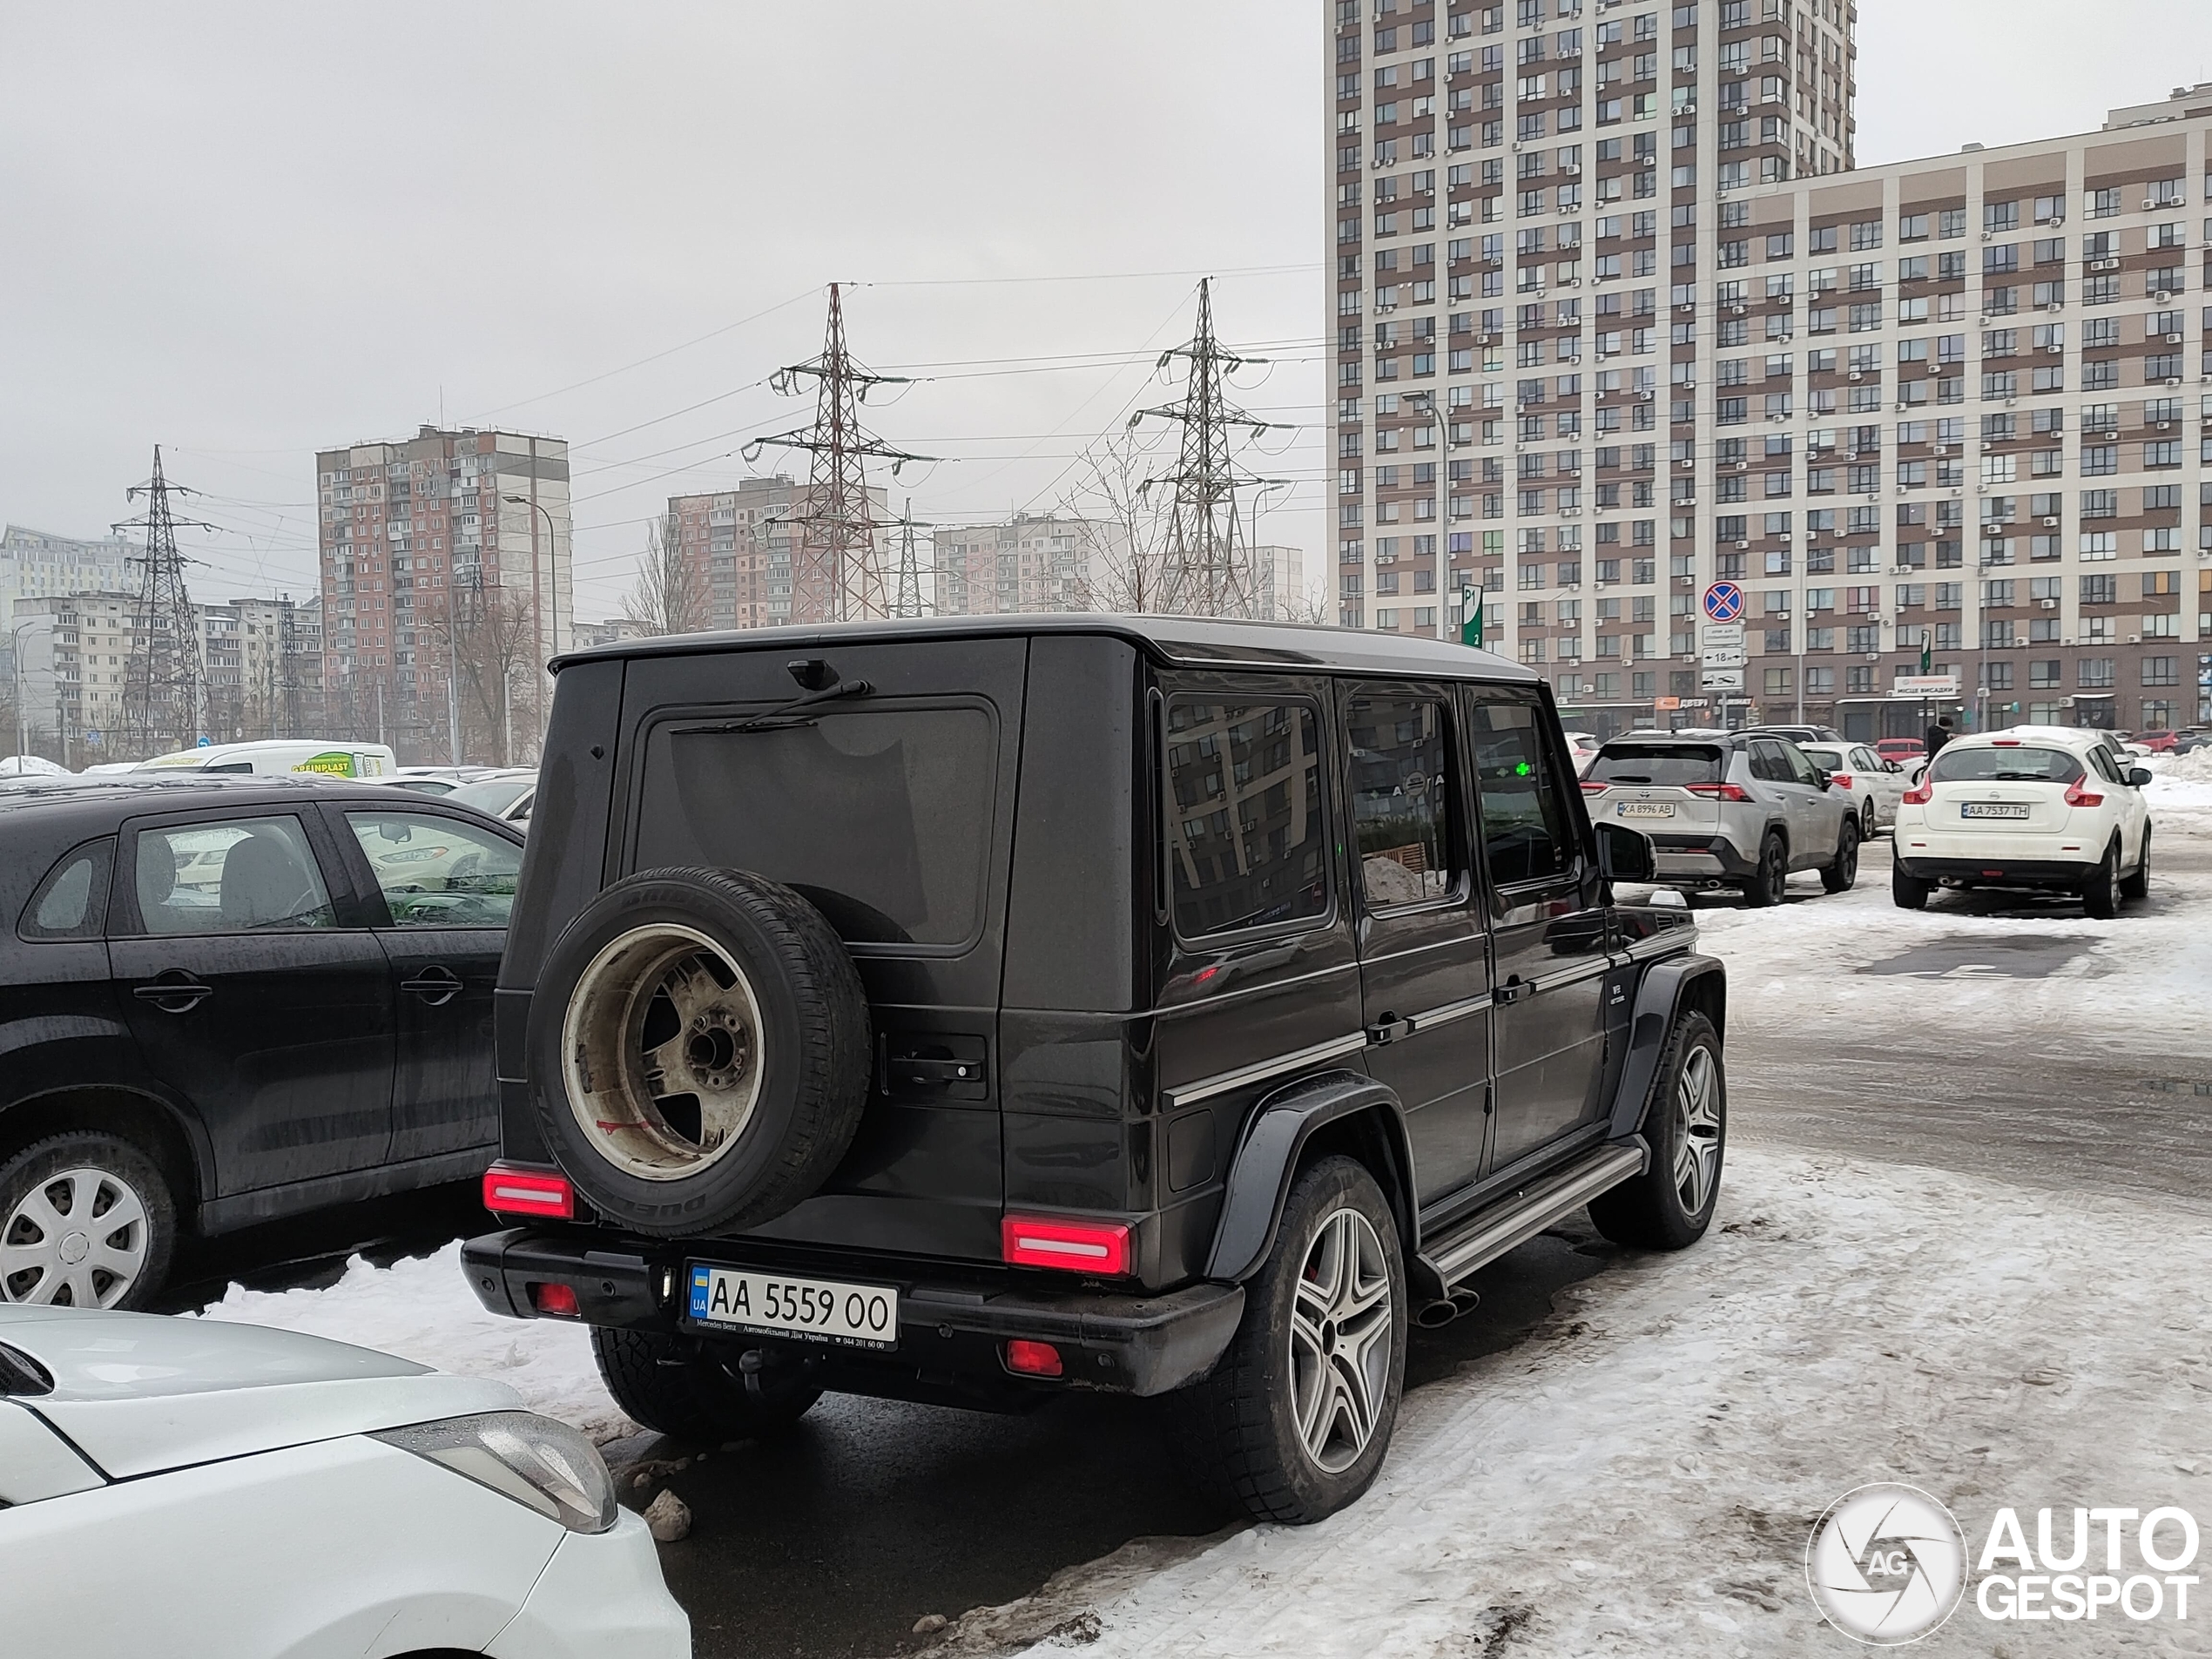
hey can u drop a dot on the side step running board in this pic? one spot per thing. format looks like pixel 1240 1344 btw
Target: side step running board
pixel 1480 1241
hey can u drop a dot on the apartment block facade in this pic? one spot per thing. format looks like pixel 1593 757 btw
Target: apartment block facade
pixel 1031 563
pixel 738 545
pixel 402 525
pixel 1617 319
pixel 37 564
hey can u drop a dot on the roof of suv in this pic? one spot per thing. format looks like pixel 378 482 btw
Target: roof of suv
pixel 100 804
pixel 1193 642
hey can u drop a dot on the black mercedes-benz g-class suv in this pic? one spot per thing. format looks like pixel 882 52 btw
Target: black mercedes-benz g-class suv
pixel 966 1009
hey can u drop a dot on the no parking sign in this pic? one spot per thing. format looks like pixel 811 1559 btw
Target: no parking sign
pixel 1724 602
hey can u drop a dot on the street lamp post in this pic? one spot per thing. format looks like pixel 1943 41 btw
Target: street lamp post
pixel 15 676
pixel 553 580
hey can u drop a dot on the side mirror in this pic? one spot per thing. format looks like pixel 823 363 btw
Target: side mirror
pixel 1891 766
pixel 1625 854
pixel 1823 779
pixel 2138 777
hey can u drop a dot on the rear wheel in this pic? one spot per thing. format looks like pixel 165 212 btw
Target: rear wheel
pixel 1670 1204
pixel 2100 897
pixel 1868 820
pixel 688 1392
pixel 1770 883
pixel 1908 893
pixel 2137 885
pixel 86 1221
pixel 1841 874
pixel 1294 1422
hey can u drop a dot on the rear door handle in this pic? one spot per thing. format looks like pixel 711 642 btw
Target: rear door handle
pixel 1515 989
pixel 437 986
pixel 179 996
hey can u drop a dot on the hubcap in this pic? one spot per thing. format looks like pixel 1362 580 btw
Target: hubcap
pixel 662 1052
pixel 77 1239
pixel 1340 1341
pixel 1698 1130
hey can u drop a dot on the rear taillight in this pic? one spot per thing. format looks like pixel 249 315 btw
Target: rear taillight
pixel 1071 1246
pixel 1841 779
pixel 2076 797
pixel 554 1301
pixel 1591 786
pixel 1921 793
pixel 1033 1359
pixel 1719 792
pixel 512 1191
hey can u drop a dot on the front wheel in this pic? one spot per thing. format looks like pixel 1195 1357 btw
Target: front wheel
pixel 1670 1204
pixel 1841 874
pixel 685 1391
pixel 1294 1422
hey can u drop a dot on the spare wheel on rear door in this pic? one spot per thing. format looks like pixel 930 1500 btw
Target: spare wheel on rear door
pixel 699 1050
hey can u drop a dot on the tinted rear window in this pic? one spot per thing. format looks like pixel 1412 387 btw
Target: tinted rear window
pixel 1957 765
pixel 881 816
pixel 1666 763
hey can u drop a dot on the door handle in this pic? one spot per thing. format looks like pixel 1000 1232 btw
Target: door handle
pixel 1515 989
pixel 437 986
pixel 1388 1029
pixel 181 992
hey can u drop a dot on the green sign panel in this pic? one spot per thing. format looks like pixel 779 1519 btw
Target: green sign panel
pixel 1471 616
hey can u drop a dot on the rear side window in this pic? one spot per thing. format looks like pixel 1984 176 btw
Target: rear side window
pixel 1769 763
pixel 1244 829
pixel 1667 765
pixel 71 902
pixel 881 816
pixel 1402 797
pixel 2022 765
pixel 1526 830
pixel 1828 760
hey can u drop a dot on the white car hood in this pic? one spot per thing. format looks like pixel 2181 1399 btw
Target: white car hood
pixel 138 1394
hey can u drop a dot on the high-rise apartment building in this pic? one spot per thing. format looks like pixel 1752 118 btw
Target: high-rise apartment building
pixel 403 526
pixel 737 543
pixel 1619 320
pixel 37 564
pixel 1031 563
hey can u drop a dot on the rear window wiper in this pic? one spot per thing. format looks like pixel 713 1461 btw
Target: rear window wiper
pixel 783 715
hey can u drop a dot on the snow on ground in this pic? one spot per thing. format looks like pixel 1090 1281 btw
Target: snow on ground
pixel 1641 1477
pixel 422 1309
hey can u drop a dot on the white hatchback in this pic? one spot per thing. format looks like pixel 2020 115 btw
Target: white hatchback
pixel 2051 811
pixel 1875 785
pixel 203 1490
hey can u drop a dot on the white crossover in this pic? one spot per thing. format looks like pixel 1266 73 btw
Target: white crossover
pixel 2043 808
pixel 203 1490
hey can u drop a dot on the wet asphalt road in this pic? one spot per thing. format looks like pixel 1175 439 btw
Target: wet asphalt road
pixel 830 1542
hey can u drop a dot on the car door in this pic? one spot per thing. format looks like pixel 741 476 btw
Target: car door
pixel 440 889
pixel 1781 795
pixel 254 992
pixel 1824 810
pixel 1424 952
pixel 1547 925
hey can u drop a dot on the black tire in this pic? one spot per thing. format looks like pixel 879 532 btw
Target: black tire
pixel 2137 884
pixel 1687 1133
pixel 82 1183
pixel 1238 1427
pixel 1908 893
pixel 790 1025
pixel 2101 894
pixel 1841 874
pixel 688 1392
pixel 1869 822
pixel 1770 883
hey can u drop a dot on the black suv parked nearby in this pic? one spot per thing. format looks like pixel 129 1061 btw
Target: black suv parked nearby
pixel 968 1009
pixel 226 999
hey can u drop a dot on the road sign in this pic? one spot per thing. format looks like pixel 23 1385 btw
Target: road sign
pixel 1724 602
pixel 1471 616
pixel 1723 633
pixel 1927 685
pixel 1725 657
pixel 1721 679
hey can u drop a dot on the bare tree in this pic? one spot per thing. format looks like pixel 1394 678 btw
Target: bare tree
pixel 493 638
pixel 1125 530
pixel 670 595
pixel 1311 606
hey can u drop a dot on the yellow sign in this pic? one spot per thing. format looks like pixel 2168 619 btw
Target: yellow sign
pixel 335 762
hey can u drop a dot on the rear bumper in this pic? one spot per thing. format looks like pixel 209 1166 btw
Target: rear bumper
pixel 2061 875
pixel 1708 858
pixel 952 1336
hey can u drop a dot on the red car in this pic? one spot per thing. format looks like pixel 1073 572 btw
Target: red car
pixel 1901 750
pixel 2158 743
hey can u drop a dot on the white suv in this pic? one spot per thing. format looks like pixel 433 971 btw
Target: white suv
pixel 2047 809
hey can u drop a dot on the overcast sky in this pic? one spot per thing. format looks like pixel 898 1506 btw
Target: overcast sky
pixel 248 231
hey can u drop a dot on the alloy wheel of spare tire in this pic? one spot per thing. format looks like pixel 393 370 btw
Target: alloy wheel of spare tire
pixel 699 1050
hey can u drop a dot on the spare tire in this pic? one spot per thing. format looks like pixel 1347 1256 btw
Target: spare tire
pixel 699 1050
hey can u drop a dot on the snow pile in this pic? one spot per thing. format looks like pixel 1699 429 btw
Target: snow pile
pixel 1641 1475
pixel 422 1309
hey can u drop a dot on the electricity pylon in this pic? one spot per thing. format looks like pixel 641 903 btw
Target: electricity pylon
pixel 161 693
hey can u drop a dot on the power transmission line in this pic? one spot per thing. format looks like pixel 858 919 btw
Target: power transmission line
pixel 837 569
pixel 161 694
pixel 1208 570
pixel 908 601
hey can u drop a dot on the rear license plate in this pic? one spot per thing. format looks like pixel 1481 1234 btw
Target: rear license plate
pixel 1990 809
pixel 846 1316
pixel 1646 809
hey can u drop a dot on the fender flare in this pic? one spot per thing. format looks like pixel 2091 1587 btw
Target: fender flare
pixel 1667 988
pixel 1267 1156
